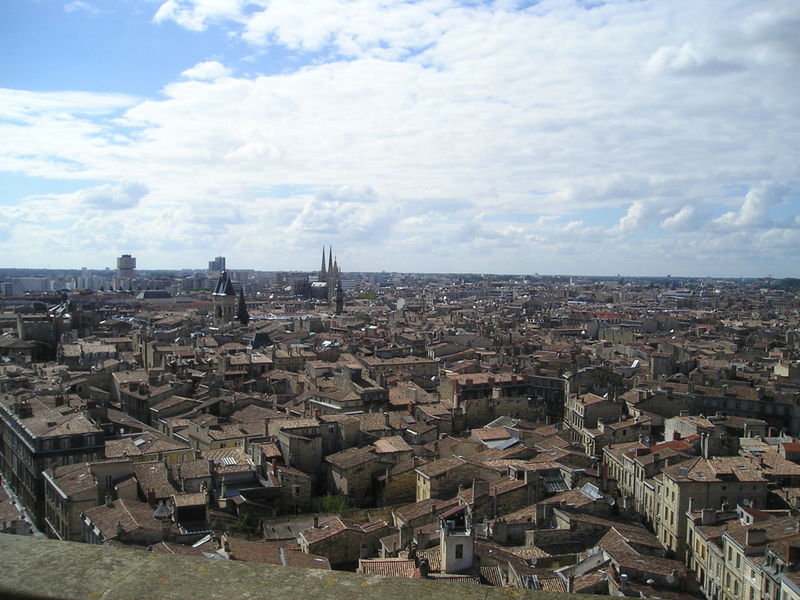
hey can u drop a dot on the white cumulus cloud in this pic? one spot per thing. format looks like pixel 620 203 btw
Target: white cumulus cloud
pixel 207 71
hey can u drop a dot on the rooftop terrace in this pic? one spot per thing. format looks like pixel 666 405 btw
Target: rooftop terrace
pixel 38 568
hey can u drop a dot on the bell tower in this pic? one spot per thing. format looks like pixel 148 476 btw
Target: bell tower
pixel 224 298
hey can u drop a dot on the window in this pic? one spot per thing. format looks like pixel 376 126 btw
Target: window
pixel 459 550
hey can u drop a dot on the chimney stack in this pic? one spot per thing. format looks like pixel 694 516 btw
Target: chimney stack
pixel 755 537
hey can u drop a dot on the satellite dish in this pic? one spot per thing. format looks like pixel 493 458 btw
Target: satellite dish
pixel 604 576
pixel 611 502
pixel 671 579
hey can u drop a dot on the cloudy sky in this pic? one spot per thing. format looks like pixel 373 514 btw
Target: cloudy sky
pixel 572 136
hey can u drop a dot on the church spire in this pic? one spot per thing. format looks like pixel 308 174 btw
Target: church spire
pixel 322 272
pixel 241 311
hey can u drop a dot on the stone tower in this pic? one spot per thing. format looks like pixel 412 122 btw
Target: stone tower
pixel 456 540
pixel 339 297
pixel 224 298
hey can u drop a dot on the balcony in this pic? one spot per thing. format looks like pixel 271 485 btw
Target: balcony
pixel 36 568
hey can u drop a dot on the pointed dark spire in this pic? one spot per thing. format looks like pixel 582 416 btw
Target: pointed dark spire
pixel 322 270
pixel 241 310
pixel 330 260
pixel 224 285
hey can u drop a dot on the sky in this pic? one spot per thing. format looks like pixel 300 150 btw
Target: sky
pixel 644 137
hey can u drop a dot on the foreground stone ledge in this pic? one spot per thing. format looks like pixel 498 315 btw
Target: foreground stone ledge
pixel 35 568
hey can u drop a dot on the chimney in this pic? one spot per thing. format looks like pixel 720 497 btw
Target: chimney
pixel 316 522
pixel 479 489
pixel 386 419
pixel 109 503
pixel 708 516
pixel 755 537
pixel 406 535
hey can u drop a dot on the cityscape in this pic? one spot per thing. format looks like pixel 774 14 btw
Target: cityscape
pixel 616 436
pixel 399 298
